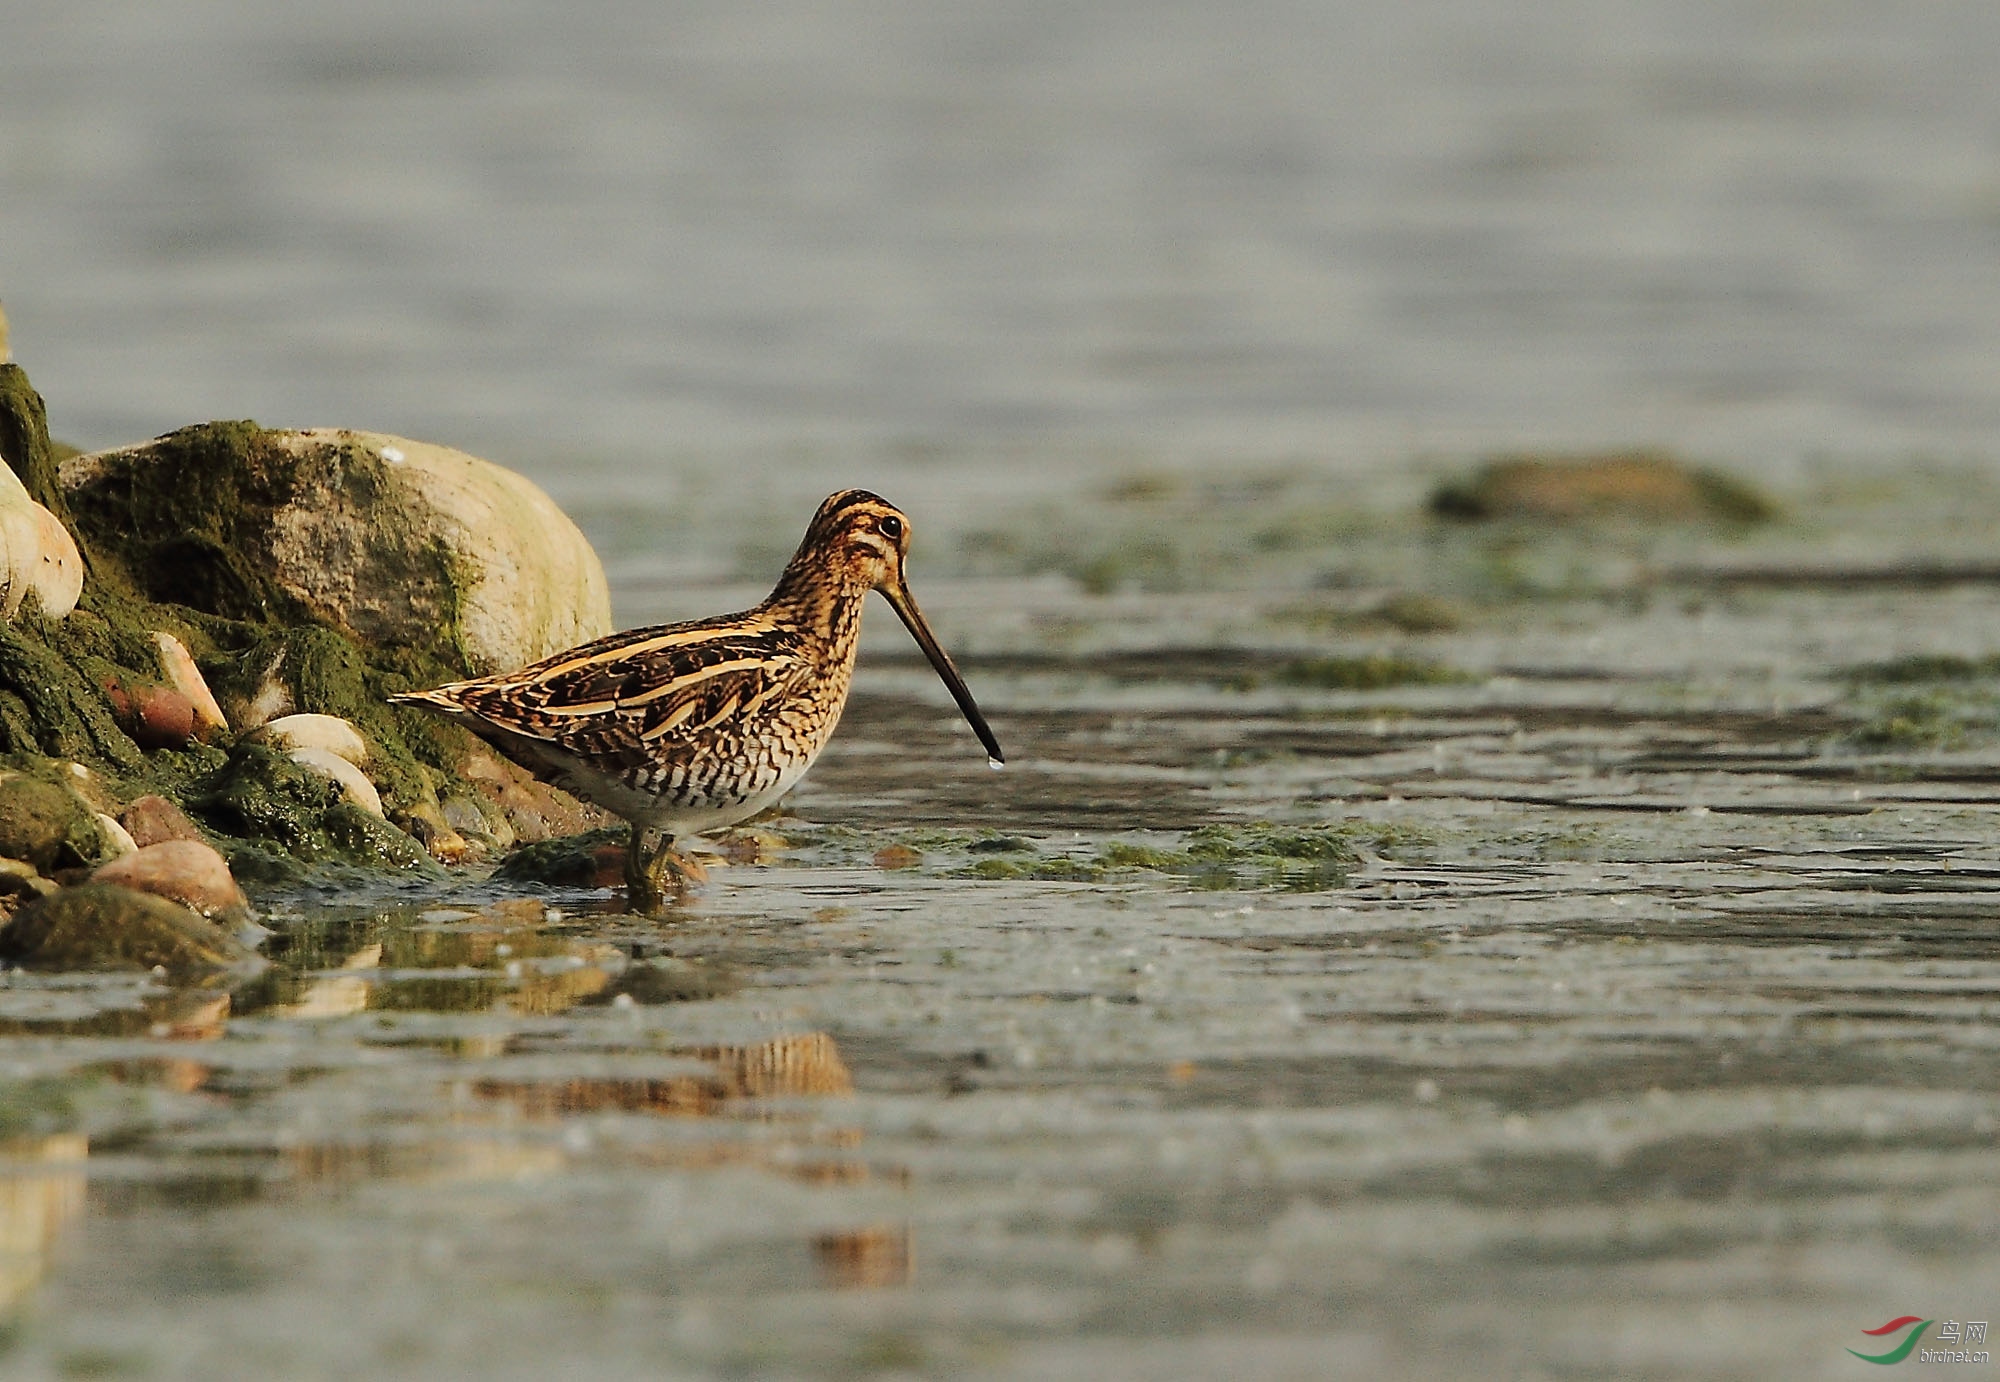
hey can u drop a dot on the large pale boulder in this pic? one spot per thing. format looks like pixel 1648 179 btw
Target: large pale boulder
pixel 399 542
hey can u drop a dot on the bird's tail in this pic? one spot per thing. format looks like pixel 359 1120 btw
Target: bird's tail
pixel 437 698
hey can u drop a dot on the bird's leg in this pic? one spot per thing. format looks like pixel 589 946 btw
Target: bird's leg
pixel 655 871
pixel 643 893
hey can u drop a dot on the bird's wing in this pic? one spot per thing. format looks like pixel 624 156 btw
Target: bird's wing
pixel 634 697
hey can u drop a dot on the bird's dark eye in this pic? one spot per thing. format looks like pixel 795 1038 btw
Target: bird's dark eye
pixel 891 526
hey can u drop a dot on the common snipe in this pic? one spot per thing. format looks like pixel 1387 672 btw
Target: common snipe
pixel 682 728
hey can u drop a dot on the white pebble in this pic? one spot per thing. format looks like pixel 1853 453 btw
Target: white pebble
pixel 328 732
pixel 354 783
pixel 119 838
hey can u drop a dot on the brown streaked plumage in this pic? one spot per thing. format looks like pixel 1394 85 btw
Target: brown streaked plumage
pixel 682 728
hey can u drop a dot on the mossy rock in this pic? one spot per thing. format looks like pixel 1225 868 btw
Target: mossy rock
pixel 98 926
pixel 178 537
pixel 261 794
pixel 398 543
pixel 24 437
pixel 47 825
pixel 55 704
pixel 1650 486
pixel 318 670
pixel 574 861
pixel 263 866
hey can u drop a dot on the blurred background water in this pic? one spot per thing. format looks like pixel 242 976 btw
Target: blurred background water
pixel 639 249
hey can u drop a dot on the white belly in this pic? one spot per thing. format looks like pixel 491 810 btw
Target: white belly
pixel 676 819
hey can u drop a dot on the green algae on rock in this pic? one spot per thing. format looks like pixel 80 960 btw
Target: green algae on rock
pixel 395 542
pixel 56 685
pixel 262 795
pixel 48 825
pixel 317 670
pixel 238 575
pixel 25 444
pixel 99 926
pixel 1926 667
pixel 277 566
pixel 593 859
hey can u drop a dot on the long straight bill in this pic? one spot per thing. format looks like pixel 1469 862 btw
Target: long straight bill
pixel 913 620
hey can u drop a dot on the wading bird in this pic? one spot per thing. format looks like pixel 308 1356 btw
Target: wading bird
pixel 684 728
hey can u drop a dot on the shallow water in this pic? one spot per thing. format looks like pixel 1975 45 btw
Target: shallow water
pixel 650 246
pixel 1647 1030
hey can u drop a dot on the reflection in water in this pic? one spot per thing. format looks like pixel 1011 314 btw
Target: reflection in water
pixel 796 1066
pixel 436 1159
pixel 879 1255
pixel 190 1015
pixel 336 995
pixel 183 1015
pixel 41 1190
pixel 502 1124
pixel 787 1067
pixel 511 957
pixel 548 991
pixel 455 969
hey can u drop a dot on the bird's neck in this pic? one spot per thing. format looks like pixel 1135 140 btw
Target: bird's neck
pixel 825 614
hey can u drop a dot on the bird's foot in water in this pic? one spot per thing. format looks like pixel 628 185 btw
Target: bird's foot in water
pixel 657 874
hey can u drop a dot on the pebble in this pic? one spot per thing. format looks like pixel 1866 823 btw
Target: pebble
pixel 58 576
pixel 157 717
pixel 150 819
pixel 307 731
pixel 354 783
pixel 178 665
pixel 189 872
pixel 115 835
pixel 463 815
pixel 428 824
pixel 37 555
